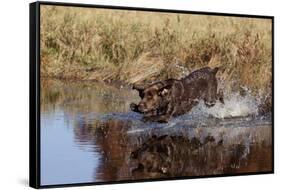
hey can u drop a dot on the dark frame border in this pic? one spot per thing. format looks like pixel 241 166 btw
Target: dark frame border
pixel 34 91
pixel 34 95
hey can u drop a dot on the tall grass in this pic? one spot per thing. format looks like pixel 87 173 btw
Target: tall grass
pixel 133 46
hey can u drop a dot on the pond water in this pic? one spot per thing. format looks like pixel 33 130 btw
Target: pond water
pixel 89 134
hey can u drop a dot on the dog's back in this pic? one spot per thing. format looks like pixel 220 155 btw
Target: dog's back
pixel 204 73
pixel 200 84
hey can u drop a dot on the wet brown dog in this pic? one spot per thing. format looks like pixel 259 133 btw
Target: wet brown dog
pixel 165 99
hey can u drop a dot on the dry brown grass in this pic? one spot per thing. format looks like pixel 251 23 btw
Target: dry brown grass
pixel 131 46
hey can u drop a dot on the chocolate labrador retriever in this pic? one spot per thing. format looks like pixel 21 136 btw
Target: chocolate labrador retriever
pixel 165 99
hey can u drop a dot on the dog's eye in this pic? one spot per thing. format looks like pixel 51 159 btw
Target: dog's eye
pixel 149 96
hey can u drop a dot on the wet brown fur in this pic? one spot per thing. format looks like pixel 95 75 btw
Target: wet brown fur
pixel 165 99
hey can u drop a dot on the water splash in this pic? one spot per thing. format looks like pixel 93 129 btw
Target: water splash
pixel 234 105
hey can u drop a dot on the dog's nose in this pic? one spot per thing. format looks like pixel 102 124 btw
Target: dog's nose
pixel 134 107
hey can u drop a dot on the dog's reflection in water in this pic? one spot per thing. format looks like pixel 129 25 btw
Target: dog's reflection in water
pixel 127 156
pixel 173 156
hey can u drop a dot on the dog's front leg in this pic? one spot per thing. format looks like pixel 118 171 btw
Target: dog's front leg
pixel 165 116
pixel 157 118
pixel 148 116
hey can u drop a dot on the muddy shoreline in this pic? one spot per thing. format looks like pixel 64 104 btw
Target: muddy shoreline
pixel 264 107
pixel 116 84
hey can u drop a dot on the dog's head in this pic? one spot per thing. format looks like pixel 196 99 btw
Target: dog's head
pixel 154 96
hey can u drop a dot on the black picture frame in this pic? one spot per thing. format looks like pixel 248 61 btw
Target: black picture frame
pixel 34 91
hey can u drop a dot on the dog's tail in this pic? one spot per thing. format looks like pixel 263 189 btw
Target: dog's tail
pixel 215 70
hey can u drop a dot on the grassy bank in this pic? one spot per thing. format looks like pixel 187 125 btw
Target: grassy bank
pixel 133 47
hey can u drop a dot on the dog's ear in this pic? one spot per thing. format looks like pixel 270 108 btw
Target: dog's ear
pixel 138 87
pixel 164 91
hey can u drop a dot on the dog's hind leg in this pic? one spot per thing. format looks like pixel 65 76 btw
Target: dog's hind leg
pixel 220 96
pixel 211 96
pixel 209 103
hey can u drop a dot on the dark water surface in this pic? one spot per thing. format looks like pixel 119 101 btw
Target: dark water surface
pixel 88 134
